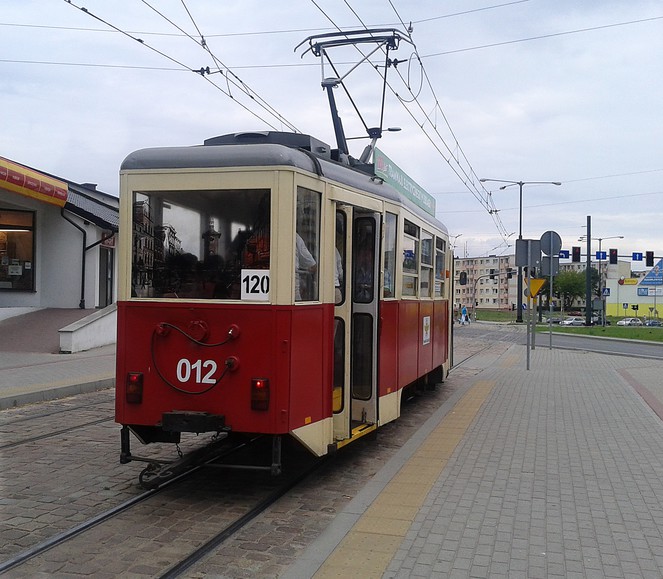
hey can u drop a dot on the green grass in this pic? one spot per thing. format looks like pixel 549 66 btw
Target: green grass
pixel 495 316
pixel 612 331
pixel 628 332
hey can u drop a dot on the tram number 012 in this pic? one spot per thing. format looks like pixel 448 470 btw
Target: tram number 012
pixel 255 284
pixel 202 371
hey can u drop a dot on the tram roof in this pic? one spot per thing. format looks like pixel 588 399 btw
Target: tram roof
pixel 286 149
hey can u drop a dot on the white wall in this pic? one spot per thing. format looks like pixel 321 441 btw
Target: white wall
pixel 58 255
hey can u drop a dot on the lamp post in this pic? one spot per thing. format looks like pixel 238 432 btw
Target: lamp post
pixel 519 314
pixel 600 259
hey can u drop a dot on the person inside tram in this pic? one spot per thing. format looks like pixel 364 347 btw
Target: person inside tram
pixel 304 264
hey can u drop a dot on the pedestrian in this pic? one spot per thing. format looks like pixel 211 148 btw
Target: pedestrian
pixel 463 316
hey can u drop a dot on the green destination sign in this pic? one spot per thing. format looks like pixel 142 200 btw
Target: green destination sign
pixel 398 179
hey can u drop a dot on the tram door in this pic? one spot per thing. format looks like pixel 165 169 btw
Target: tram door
pixel 356 321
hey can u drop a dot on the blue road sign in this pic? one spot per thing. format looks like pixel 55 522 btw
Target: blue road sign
pixel 606 292
pixel 564 254
pixel 601 255
pixel 636 256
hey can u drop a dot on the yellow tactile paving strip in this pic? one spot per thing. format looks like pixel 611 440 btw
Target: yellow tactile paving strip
pixel 369 547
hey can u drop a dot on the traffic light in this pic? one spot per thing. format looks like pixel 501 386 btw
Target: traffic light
pixel 575 254
pixel 492 274
pixel 463 278
pixel 613 256
pixel 509 273
pixel 649 259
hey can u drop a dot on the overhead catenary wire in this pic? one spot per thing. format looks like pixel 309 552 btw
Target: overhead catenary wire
pixel 469 180
pixel 182 65
pixel 231 77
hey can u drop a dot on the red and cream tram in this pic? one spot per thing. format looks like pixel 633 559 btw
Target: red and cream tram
pixel 267 289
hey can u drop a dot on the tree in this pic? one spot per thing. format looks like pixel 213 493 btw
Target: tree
pixel 568 286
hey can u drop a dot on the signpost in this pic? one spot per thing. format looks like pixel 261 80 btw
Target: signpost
pixel 551 245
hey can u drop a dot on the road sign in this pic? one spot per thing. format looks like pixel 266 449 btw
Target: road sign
pixel 606 292
pixel 636 256
pixel 535 286
pixel 601 255
pixel 625 305
pixel 551 243
pixel 564 254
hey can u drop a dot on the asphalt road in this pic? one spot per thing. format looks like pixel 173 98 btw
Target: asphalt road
pixel 518 334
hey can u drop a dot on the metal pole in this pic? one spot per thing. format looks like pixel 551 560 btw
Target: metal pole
pixel 601 283
pixel 550 295
pixel 519 304
pixel 529 299
pixel 588 277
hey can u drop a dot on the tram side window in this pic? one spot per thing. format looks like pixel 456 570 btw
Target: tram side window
pixel 363 248
pixel 389 286
pixel 200 244
pixel 307 245
pixel 440 269
pixel 426 275
pixel 410 258
pixel 339 258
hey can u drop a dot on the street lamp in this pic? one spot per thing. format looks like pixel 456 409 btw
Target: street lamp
pixel 600 259
pixel 519 314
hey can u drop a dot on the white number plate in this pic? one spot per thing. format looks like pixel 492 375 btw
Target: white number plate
pixel 255 285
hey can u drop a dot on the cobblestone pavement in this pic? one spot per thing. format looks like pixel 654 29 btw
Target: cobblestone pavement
pixel 50 483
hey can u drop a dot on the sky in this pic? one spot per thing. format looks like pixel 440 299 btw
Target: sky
pixel 517 91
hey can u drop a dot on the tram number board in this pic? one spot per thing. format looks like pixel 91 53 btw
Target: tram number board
pixel 255 285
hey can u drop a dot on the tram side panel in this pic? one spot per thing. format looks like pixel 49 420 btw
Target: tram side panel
pixel 310 389
pixel 440 333
pixel 425 338
pixel 404 355
pixel 408 341
pixel 389 348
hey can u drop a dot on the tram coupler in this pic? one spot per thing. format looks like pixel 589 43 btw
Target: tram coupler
pixel 125 446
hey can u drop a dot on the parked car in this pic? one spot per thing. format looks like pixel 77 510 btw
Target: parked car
pixel 655 323
pixel 630 322
pixel 572 321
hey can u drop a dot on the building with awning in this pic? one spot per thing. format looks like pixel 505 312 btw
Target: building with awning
pixel 57 241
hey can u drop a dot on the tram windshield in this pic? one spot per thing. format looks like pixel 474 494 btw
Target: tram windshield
pixel 201 244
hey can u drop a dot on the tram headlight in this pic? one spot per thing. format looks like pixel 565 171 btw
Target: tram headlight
pixel 133 388
pixel 259 394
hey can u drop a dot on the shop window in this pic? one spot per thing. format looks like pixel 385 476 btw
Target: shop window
pixel 17 250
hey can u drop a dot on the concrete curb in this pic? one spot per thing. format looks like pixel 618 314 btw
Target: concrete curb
pixel 54 392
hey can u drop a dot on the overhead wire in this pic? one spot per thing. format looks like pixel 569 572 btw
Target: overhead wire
pixel 478 191
pixel 174 60
pixel 230 76
pixel 486 201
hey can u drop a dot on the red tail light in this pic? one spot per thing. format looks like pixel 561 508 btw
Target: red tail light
pixel 259 394
pixel 133 389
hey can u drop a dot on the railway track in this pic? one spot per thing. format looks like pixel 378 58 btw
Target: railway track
pixel 183 523
pixel 73 541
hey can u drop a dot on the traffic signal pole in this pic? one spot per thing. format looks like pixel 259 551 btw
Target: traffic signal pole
pixel 588 277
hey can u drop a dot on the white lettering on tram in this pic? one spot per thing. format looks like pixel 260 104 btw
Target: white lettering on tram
pixel 202 371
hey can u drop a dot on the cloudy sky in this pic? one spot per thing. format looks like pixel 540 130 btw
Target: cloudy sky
pixel 528 90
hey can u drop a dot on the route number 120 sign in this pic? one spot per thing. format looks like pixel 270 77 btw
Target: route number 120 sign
pixel 255 285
